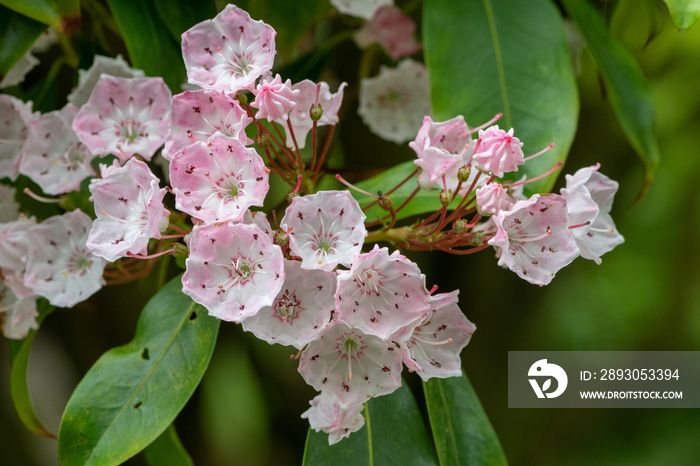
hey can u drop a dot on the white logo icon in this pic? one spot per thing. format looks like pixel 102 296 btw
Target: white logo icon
pixel 542 368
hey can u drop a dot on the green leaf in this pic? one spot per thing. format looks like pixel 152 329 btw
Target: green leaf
pixel 150 46
pixel 180 15
pixel 684 13
pixel 394 433
pixel 62 15
pixel 628 91
pixel 134 392
pixel 19 389
pixel 167 450
pixel 462 432
pixel 17 34
pixel 292 19
pixel 424 201
pixel 487 57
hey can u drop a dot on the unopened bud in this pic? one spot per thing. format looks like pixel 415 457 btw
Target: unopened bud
pixel 460 226
pixel 241 97
pixel 179 250
pixel 316 112
pixel 463 174
pixel 445 197
pixel 384 202
pixel 281 238
pixel 262 141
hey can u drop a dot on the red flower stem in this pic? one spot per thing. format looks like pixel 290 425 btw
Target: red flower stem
pixel 172 226
pixel 413 173
pixel 313 145
pixel 282 147
pixel 296 146
pixel 324 153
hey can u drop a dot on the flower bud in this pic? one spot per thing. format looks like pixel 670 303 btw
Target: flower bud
pixel 446 197
pixel 385 202
pixel 460 226
pixel 241 97
pixel 262 141
pixel 463 174
pixel 316 112
pixel 179 250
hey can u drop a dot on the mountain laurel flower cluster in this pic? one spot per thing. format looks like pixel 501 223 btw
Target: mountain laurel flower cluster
pixel 310 275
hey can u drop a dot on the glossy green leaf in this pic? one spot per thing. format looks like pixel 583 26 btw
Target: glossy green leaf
pixel 627 88
pixel 19 389
pixel 167 450
pixel 62 15
pixel 134 392
pixel 150 46
pixel 394 433
pixel 424 201
pixel 180 15
pixel 463 434
pixel 684 13
pixel 17 34
pixel 487 57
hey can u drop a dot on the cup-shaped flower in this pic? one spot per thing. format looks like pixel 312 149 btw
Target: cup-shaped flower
pixel 394 102
pixel 13 133
pixel 327 415
pixel 60 266
pixel 310 94
pixel 361 8
pixel 381 293
pixel 492 198
pixel 534 238
pixel 125 116
pixel 17 314
pixel 350 366
pixel 301 310
pixel 499 151
pixel 220 181
pixel 129 209
pixel 53 156
pixel 274 99
pixel 100 65
pixel 198 116
pixel 589 196
pixel 434 345
pixel 228 52
pixel 233 270
pixel 391 29
pixel 325 229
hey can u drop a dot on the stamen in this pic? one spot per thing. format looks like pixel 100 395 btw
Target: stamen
pixel 429 342
pixel 46 200
pixel 601 230
pixel 121 220
pixel 488 123
pixel 433 289
pixel 543 175
pixel 539 153
pixel 152 256
pixel 346 183
pixel 536 238
pixel 349 366
pixel 579 225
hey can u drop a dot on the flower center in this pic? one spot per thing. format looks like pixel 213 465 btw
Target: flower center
pixel 79 262
pixel 369 281
pixel 130 130
pixel 287 306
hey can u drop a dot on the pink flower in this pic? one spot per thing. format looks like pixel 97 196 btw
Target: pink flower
pixel 492 198
pixel 219 181
pixel 394 102
pixel 534 238
pixel 198 116
pixel 498 152
pixel 326 229
pixel 362 8
pixel 13 133
pixel 228 52
pixel 17 314
pixel 125 116
pixel 88 78
pixel 311 94
pixel 301 310
pixel 433 348
pixel 350 366
pixel 233 270
pixel 53 156
pixel 393 30
pixel 274 98
pixel 589 196
pixel 60 267
pixel 14 243
pixel 129 209
pixel 381 293
pixel 329 416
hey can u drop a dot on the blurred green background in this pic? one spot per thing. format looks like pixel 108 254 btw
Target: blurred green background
pixel 645 296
